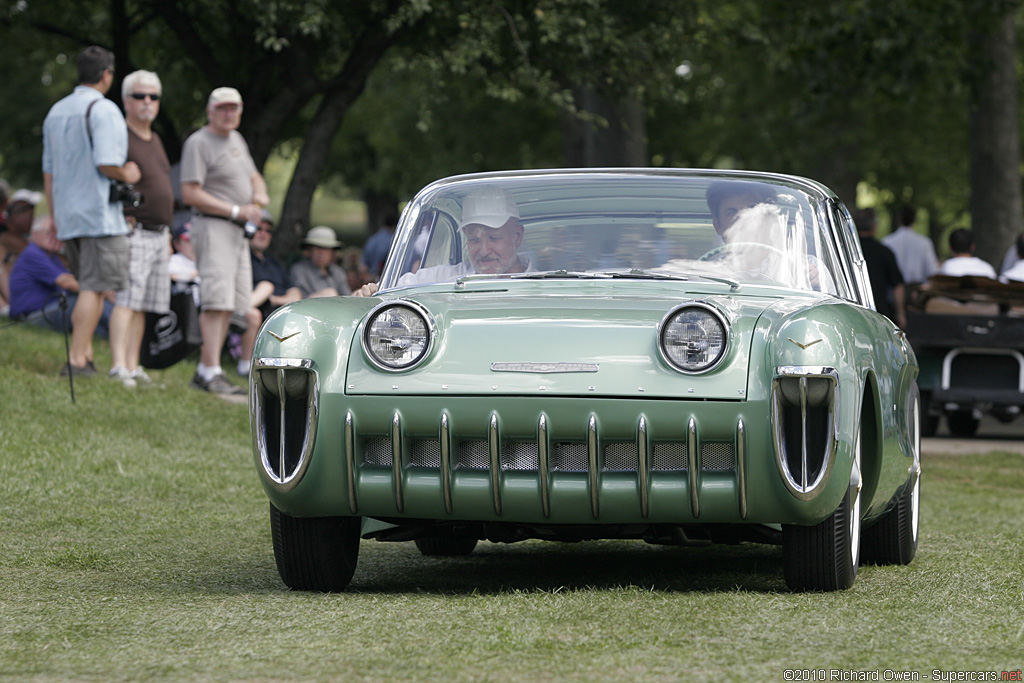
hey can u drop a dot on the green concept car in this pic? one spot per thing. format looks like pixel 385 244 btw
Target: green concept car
pixel 670 356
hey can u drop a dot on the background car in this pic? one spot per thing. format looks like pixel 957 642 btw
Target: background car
pixel 672 356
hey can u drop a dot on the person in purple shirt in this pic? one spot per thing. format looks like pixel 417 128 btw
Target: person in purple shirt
pixel 39 278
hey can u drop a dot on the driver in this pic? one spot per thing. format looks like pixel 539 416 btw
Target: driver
pixel 493 234
pixel 729 199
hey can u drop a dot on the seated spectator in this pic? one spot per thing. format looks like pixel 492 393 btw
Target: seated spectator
pixel 357 272
pixel 14 234
pixel 39 278
pixel 182 264
pixel 318 275
pixel 271 288
pixel 1016 271
pixel 963 261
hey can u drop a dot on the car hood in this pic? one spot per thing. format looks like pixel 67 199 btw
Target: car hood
pixel 569 344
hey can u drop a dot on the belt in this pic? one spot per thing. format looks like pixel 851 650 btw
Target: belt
pixel 220 218
pixel 152 226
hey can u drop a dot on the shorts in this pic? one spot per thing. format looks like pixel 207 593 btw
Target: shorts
pixel 149 282
pixel 100 264
pixel 225 267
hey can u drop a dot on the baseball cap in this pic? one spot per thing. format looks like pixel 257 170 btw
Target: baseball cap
pixel 322 236
pixel 224 96
pixel 181 231
pixel 491 207
pixel 24 195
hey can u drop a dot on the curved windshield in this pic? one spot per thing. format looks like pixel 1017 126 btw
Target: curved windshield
pixel 604 225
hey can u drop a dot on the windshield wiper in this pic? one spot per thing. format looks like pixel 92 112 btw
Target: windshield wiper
pixel 560 275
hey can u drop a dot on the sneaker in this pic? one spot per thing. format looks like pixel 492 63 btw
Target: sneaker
pixel 141 376
pixel 88 370
pixel 122 375
pixel 218 385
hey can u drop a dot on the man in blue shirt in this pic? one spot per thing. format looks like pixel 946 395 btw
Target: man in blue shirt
pixel 85 148
pixel 39 278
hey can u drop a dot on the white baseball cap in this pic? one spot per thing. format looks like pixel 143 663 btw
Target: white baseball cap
pixel 24 195
pixel 490 207
pixel 224 96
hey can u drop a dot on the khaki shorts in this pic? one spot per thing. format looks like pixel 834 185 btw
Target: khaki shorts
pixel 99 263
pixel 225 267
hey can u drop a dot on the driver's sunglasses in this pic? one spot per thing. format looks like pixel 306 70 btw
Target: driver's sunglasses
pixel 144 95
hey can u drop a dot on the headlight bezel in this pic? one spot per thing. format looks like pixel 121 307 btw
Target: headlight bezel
pixel 673 313
pixel 416 310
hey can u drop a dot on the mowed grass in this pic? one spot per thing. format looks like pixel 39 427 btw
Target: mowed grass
pixel 135 545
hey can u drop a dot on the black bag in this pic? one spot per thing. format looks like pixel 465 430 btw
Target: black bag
pixel 170 337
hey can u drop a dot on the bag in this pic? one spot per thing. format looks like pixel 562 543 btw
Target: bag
pixel 170 337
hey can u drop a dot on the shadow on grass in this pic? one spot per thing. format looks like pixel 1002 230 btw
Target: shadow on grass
pixel 539 566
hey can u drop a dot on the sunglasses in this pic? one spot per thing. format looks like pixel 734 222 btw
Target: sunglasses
pixel 144 95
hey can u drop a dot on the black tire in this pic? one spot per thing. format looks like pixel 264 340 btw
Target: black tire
pixel 824 557
pixel 893 539
pixel 315 553
pixel 446 546
pixel 962 424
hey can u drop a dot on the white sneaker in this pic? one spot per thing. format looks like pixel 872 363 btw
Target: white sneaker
pixel 141 376
pixel 121 374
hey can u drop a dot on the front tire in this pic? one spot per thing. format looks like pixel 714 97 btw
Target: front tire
pixel 315 553
pixel 825 557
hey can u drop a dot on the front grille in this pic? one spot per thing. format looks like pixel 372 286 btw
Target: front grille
pixel 524 456
pixel 543 457
pixel 284 396
pixel 804 422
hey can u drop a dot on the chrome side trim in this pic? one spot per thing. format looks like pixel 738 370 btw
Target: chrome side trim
pixel 643 465
pixel 595 482
pixel 805 489
pixel 694 465
pixel 741 466
pixel 543 465
pixel 350 462
pixel 396 455
pixel 445 438
pixel 494 446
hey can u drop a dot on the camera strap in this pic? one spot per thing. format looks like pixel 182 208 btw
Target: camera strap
pixel 88 128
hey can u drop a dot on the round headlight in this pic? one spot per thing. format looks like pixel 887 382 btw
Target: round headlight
pixel 397 337
pixel 693 338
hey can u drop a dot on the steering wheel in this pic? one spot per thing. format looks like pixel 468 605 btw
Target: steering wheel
pixel 737 246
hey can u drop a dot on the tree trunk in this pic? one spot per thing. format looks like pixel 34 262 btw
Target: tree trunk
pixel 995 144
pixel 618 138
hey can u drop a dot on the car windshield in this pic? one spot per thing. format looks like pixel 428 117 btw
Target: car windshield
pixel 732 229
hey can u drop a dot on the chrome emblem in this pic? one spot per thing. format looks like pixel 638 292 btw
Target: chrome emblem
pixel 284 338
pixel 803 346
pixel 547 368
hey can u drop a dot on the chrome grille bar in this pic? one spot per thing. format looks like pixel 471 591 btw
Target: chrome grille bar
pixel 350 461
pixel 543 467
pixel 396 464
pixel 279 376
pixel 446 463
pixel 592 465
pixel 643 465
pixel 741 465
pixel 494 446
pixel 691 457
pixel 803 433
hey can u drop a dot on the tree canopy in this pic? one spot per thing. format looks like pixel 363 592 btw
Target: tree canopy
pixel 390 94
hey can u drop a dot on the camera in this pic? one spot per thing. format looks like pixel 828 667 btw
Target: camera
pixel 249 228
pixel 125 193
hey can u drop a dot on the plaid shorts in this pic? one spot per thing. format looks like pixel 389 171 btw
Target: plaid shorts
pixel 149 283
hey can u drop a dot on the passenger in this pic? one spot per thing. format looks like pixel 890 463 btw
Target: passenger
pixel 963 261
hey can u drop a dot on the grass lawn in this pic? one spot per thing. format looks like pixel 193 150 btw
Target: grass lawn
pixel 135 545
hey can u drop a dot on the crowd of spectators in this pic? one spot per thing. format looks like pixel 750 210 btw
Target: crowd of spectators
pixel 123 232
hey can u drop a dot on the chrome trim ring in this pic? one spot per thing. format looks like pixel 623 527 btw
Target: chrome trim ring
pixel 804 490
pixel 399 303
pixel 710 309
pixel 283 482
